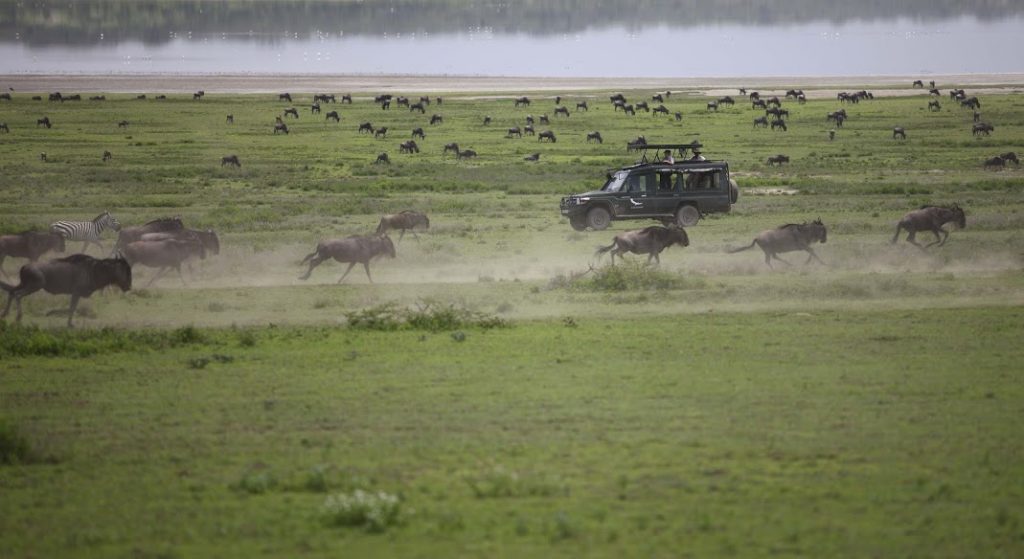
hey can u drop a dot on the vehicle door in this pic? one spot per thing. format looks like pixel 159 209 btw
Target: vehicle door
pixel 640 189
pixel 665 198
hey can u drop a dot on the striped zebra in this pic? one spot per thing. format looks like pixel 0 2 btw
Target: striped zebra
pixel 87 231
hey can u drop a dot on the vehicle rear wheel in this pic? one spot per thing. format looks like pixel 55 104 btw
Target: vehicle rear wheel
pixel 578 223
pixel 734 191
pixel 687 216
pixel 598 219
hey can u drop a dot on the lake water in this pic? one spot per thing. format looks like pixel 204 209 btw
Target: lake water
pixel 500 39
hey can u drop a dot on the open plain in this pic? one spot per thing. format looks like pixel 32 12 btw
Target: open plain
pixel 499 391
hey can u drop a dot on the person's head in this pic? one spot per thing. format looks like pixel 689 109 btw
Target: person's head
pixel 668 153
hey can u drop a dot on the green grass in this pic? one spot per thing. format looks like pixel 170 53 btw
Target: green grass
pixel 499 391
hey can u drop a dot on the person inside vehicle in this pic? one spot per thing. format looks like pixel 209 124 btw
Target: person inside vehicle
pixel 668 157
pixel 697 155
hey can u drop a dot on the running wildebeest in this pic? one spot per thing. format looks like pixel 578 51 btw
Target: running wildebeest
pixel 131 234
pixel 230 160
pixel 408 146
pixel 406 220
pixel 982 128
pixel 452 147
pixel 353 250
pixel 930 218
pixel 208 238
pixel 163 254
pixel 595 136
pixel 649 240
pixel 382 158
pixel 547 135
pixel 465 154
pixel 778 160
pixel 29 244
pixel 79 275
pixel 333 115
pixel 787 238
pixel 899 131
pixel 280 127
pixel 532 157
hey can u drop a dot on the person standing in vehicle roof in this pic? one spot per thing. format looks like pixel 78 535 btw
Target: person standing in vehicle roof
pixel 668 157
pixel 697 156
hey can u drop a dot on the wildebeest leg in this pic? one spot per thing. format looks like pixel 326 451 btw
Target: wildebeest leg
pixel 71 310
pixel 776 256
pixel 29 285
pixel 2 272
pixel 400 235
pixel 312 264
pixel 367 266
pixel 896 237
pixel 945 235
pixel 156 276
pixel 910 239
pixel 349 269
pixel 180 275
pixel 812 256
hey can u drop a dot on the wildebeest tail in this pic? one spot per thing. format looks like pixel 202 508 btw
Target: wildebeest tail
pixel 602 250
pixel 741 249
pixel 382 227
pixel 6 287
pixel 310 256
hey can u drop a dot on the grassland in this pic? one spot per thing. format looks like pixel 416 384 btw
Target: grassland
pixel 512 394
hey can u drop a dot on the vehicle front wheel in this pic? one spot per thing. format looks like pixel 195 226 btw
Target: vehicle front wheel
pixel 687 216
pixel 578 223
pixel 598 219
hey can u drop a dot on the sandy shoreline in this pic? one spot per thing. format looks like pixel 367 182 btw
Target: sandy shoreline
pixel 356 84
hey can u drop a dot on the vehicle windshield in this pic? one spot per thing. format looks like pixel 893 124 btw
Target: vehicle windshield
pixel 615 182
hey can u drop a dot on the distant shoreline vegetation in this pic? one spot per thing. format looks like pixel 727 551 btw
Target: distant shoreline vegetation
pixel 90 22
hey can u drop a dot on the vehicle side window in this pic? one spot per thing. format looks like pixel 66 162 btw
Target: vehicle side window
pixel 642 183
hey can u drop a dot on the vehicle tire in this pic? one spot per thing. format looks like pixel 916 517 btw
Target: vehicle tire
pixel 687 216
pixel 578 223
pixel 734 191
pixel 598 218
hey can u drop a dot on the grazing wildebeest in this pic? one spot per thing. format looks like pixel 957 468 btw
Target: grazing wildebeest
pixel 801 99
pixel 353 250
pixel 778 160
pixel 726 101
pixel 1010 156
pixel 79 275
pixel 123 124
pixel 660 109
pixel 86 231
pixel 522 101
pixel 712 106
pixel 418 107
pixel 314 108
pixel 787 238
pixel 418 133
pixel 163 254
pixel 197 95
pixel 544 119
pixel 3 126
pixel 465 154
pixel 402 101
pixel 29 244
pixel 679 116
pixel 582 105
pixel 957 94
pixel 107 156
pixel 779 124
pixel 934 105
pixel 774 101
pixel 408 146
pixel 5 96
pixel 143 96
pixel 657 97
pixel 366 127
pixel 649 240
pixel 637 144
pixel 753 95
pixel 996 161
pixel 642 106
pixel 285 97
pixel 405 220
pixel 385 98
pixel 514 131
pixel 930 218
pixel 562 111
pixel 45 121
pixel 899 131
pixel 761 121
pixel 529 131
pixel 617 98
pixel 161 97
pixel 487 120
pixel 436 119
pixel 558 99
pixel 977 116
pixel 56 96
pixel 280 127
pixel 42 156
pixel 532 157
pixel 547 135
pixel 346 98
pixel 452 147
pixel 230 119
pixel 758 104
pixel 131 234
pixel 774 111
pixel 794 93
pixel 382 158
pixel 425 99
pixel 934 91
pixel 333 115
pixel 380 132
pixel 971 103
pixel 982 128
pixel 291 111
pixel 917 83
pixel 230 160
pixel 595 136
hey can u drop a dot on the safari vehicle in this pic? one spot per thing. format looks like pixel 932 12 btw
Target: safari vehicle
pixel 679 192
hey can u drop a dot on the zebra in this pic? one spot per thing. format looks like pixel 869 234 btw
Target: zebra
pixel 87 231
